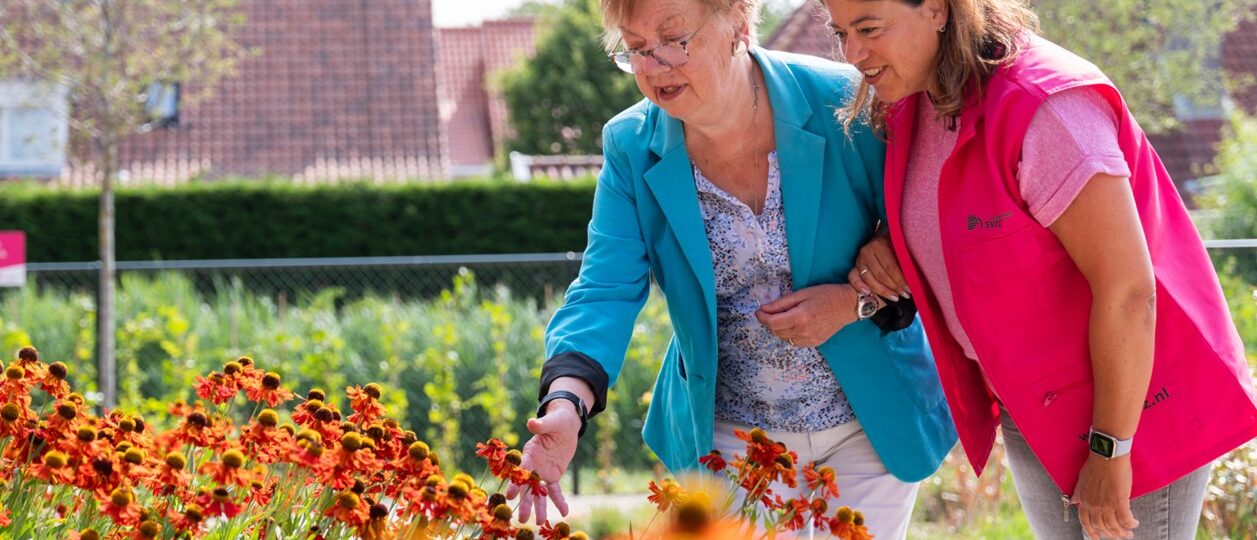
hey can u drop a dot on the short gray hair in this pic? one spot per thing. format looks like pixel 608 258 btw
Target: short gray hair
pixel 615 11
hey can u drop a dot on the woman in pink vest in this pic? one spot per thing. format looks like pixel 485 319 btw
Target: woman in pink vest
pixel 1063 287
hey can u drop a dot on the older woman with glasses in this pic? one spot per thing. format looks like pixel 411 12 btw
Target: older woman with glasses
pixel 734 187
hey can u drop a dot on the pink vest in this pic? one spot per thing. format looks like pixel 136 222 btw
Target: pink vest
pixel 1026 306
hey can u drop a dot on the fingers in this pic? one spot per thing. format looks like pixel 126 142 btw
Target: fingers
pixel 880 281
pixel 556 495
pixel 1119 522
pixel 888 266
pixel 1126 519
pixel 511 491
pixel 856 281
pixel 778 322
pixel 1107 524
pixel 1087 519
pixel 538 426
pixel 1100 523
pixel 783 304
pixel 525 507
pixel 540 504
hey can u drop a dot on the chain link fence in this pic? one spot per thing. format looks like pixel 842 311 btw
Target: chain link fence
pixel 538 275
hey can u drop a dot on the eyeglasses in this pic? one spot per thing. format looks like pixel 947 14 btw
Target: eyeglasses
pixel 671 54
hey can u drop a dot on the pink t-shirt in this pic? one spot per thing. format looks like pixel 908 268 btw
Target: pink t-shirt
pixel 1071 138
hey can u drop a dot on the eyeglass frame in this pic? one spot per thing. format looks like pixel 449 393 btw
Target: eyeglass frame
pixel 629 54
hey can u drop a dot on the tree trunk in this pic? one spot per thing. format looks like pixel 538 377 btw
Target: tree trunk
pixel 105 320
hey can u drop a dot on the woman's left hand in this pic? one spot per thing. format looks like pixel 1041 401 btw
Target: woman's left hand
pixel 809 317
pixel 1103 498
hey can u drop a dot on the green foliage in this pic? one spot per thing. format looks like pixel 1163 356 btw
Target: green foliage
pixel 1231 199
pixel 458 369
pixel 1153 50
pixel 265 220
pixel 560 99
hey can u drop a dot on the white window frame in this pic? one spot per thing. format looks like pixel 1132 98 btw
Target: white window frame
pixel 23 94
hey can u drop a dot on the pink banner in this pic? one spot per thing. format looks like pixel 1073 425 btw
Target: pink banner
pixel 12 259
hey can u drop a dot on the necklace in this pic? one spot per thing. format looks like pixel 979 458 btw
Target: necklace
pixel 756 209
pixel 754 95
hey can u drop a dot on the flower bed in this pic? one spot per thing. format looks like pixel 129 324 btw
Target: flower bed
pixel 309 472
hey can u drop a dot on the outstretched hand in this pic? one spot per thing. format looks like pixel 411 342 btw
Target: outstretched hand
pixel 548 453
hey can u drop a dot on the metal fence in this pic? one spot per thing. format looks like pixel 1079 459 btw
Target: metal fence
pixel 537 274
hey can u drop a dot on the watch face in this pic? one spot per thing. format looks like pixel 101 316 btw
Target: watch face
pixel 867 309
pixel 1102 445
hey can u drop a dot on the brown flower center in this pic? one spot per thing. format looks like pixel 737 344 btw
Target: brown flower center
pixel 233 458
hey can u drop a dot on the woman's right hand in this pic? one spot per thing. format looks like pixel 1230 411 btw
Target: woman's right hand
pixel 877 270
pixel 548 453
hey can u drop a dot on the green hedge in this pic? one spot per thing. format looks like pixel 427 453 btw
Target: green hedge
pixel 272 219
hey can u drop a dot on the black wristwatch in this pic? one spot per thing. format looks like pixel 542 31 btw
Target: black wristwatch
pixel 575 399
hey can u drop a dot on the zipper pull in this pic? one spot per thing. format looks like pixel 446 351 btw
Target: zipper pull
pixel 1048 398
pixel 1067 504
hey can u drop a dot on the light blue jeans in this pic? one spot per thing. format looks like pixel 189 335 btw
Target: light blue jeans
pixel 1170 513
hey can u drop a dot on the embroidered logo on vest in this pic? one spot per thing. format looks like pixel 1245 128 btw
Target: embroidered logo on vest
pixel 996 222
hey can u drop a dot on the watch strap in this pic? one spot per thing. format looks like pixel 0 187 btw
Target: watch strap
pixel 581 411
pixel 1113 447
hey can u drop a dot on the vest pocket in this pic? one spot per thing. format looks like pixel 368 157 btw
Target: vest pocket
pixel 1064 384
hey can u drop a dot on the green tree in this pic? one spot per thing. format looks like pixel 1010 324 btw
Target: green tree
pixel 1156 51
pixel 560 99
pixel 1230 201
pixel 104 55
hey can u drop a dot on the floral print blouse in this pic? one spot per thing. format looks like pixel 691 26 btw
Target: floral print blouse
pixel 762 381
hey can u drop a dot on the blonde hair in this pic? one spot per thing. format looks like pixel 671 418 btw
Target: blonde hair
pixel 979 36
pixel 614 12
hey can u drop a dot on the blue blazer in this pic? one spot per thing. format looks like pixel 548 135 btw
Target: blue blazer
pixel 646 222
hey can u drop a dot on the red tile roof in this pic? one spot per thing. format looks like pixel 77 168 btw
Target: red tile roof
pixel 338 89
pixel 804 32
pixel 473 114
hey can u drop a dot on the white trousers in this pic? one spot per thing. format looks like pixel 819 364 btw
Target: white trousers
pixel 864 483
